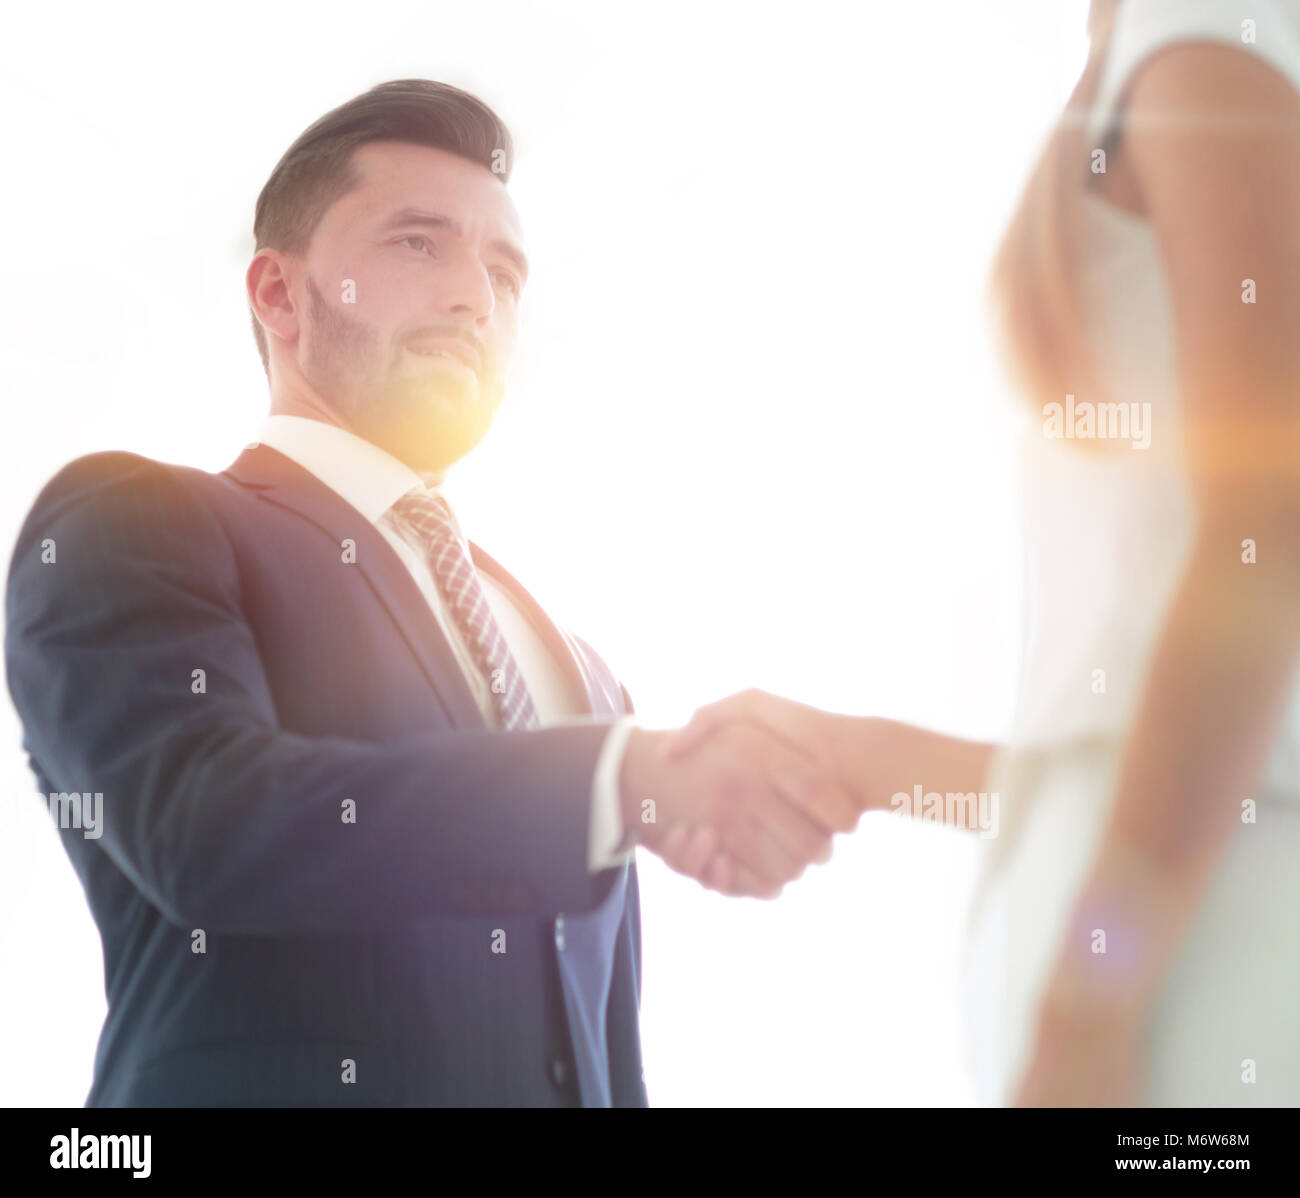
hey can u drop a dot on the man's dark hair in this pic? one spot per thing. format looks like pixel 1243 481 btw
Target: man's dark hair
pixel 317 169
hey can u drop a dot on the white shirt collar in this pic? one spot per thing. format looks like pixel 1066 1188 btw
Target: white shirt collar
pixel 368 477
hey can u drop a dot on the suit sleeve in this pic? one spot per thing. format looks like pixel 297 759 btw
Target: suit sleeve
pixel 121 586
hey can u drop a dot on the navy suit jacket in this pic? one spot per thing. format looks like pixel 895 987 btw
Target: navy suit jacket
pixel 311 855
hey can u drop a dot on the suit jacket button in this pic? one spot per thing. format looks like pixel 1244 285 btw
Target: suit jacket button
pixel 559 1071
pixel 559 933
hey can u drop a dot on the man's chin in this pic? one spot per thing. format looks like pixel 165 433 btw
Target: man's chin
pixel 432 432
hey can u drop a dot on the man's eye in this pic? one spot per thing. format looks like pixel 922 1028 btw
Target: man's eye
pixel 511 281
pixel 421 240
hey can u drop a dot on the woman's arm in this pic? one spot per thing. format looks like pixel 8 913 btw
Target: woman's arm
pixel 900 762
pixel 1214 142
pixel 875 759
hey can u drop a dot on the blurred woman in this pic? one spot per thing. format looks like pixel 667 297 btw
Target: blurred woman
pixel 1136 930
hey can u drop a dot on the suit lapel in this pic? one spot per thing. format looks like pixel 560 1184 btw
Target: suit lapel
pixel 279 480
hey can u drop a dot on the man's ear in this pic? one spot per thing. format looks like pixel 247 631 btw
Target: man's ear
pixel 270 296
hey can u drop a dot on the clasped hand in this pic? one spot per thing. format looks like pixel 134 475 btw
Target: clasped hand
pixel 744 797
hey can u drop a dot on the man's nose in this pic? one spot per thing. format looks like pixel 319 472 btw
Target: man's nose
pixel 466 288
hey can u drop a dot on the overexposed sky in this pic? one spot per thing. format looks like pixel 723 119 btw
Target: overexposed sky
pixel 756 433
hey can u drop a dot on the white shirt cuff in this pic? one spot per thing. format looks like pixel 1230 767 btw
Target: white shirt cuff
pixel 606 823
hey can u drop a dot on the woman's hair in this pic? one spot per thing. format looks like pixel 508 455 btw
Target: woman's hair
pixel 1034 283
pixel 317 169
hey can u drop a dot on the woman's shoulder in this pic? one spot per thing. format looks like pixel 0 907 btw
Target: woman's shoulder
pixel 1269 29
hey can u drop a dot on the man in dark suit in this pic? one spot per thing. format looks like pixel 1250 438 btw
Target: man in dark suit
pixel 364 815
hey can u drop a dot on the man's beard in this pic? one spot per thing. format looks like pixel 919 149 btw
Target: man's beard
pixel 422 413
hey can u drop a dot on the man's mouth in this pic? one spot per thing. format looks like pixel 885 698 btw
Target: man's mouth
pixel 461 354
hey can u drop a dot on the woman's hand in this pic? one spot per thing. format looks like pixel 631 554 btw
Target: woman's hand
pixel 838 743
pixel 826 739
pixel 879 762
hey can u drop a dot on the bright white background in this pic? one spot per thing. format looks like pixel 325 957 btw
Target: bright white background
pixel 756 433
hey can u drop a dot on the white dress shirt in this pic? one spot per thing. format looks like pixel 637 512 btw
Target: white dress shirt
pixel 372 480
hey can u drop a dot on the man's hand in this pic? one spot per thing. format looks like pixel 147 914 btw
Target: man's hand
pixel 743 812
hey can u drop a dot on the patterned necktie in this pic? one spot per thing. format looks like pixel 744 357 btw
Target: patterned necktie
pixel 429 517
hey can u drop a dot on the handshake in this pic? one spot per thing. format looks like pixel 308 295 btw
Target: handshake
pixel 747 794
